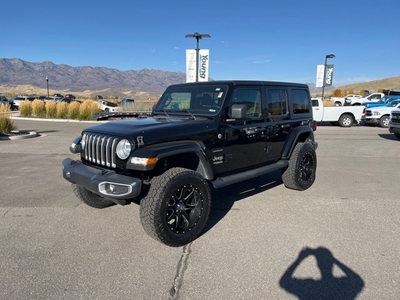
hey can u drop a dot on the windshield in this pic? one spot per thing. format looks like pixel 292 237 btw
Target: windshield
pixel 393 103
pixel 202 99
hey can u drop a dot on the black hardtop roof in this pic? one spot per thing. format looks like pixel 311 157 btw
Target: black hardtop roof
pixel 242 83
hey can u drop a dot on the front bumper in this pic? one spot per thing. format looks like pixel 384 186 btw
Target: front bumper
pixel 370 120
pixel 394 129
pixel 103 182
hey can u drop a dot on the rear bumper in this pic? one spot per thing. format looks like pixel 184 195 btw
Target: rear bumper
pixel 103 182
pixel 370 120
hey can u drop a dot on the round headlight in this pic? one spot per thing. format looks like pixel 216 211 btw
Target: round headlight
pixel 124 149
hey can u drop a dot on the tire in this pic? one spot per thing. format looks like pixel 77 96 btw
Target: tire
pixel 301 172
pixel 337 103
pixel 90 198
pixel 106 110
pixel 384 121
pixel 346 120
pixel 176 207
pixel 397 135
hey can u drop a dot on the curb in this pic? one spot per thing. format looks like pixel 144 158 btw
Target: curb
pixel 20 136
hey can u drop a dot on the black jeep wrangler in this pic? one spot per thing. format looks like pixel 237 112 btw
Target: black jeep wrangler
pixel 199 134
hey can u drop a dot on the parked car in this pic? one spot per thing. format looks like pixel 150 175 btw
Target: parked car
pixel 380 115
pixel 3 100
pixel 108 106
pixel 385 100
pixel 339 101
pixel 394 123
pixel 70 97
pixel 58 95
pixel 345 116
pixel 17 101
pixel 374 97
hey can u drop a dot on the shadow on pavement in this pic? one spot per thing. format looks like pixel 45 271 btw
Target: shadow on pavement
pixel 328 286
pixel 224 198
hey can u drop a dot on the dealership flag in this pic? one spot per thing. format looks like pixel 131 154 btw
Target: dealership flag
pixel 320 76
pixel 203 70
pixel 329 75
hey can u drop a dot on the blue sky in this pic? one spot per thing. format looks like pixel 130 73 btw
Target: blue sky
pixel 254 39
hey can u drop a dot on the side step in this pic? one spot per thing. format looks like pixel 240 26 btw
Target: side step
pixel 242 176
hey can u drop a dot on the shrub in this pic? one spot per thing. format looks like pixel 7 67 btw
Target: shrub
pixel 25 108
pixel 38 108
pixel 73 110
pixel 87 109
pixel 62 110
pixel 51 109
pixel 6 124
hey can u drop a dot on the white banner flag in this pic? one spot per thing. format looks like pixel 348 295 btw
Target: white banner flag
pixel 190 65
pixel 203 69
pixel 320 76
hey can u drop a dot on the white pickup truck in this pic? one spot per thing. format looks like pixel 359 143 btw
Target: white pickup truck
pixel 394 123
pixel 345 116
pixel 380 115
pixel 339 101
pixel 373 97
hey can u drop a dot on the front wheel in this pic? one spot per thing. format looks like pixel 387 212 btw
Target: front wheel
pixel 176 207
pixel 301 172
pixel 346 120
pixel 384 121
pixel 90 198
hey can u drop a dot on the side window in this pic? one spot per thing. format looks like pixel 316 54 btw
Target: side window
pixel 314 102
pixel 300 102
pixel 276 102
pixel 251 98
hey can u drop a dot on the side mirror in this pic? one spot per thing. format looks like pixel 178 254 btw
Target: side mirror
pixel 238 111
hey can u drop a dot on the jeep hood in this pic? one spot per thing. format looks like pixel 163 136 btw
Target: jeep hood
pixel 156 128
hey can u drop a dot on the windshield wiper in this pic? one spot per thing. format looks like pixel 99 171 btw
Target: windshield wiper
pixel 188 111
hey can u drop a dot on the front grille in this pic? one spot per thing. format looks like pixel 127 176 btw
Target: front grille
pixel 368 113
pixel 395 117
pixel 100 149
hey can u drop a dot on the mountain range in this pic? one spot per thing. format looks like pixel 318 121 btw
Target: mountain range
pixel 17 72
pixel 60 77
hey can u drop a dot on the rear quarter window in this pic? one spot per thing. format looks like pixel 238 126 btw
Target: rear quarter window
pixel 300 102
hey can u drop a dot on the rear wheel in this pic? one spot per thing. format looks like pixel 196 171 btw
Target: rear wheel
pixel 301 172
pixel 176 207
pixel 346 120
pixel 90 198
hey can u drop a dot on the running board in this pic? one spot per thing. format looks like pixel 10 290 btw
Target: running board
pixel 242 176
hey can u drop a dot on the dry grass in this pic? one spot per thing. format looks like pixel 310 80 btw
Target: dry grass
pixel 62 110
pixel 6 124
pixel 38 108
pixel 73 110
pixel 25 108
pixel 51 109
pixel 87 109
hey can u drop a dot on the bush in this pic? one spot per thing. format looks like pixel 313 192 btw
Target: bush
pixel 6 124
pixel 38 108
pixel 25 108
pixel 73 110
pixel 51 109
pixel 87 109
pixel 62 110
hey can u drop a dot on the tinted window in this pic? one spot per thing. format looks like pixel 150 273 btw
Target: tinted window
pixel 300 102
pixel 251 98
pixel 276 102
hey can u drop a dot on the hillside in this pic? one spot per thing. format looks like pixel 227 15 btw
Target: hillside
pixel 21 77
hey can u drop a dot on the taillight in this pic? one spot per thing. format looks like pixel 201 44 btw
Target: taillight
pixel 313 125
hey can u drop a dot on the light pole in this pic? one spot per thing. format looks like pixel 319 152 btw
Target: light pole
pixel 323 83
pixel 198 37
pixel 47 81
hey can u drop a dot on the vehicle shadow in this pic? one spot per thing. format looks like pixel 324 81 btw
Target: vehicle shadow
pixel 388 136
pixel 224 198
pixel 328 286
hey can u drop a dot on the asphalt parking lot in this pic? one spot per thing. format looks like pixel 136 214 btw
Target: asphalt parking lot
pixel 262 240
